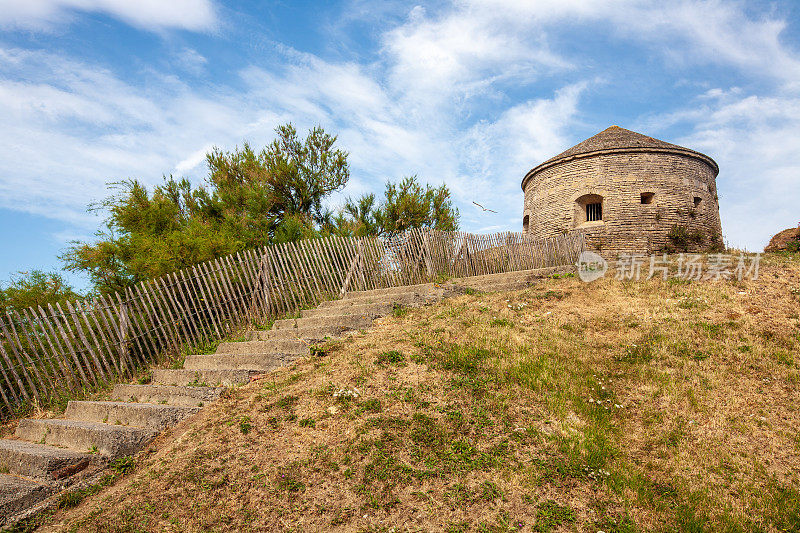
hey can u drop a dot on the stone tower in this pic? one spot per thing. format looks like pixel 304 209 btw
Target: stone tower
pixel 628 193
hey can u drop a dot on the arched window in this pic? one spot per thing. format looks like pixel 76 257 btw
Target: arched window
pixel 525 223
pixel 589 209
pixel 647 197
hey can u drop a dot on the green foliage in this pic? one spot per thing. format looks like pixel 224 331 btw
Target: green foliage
pixel 70 499
pixel 123 465
pixel 390 357
pixel 307 423
pixel 288 481
pixel 398 311
pixel 361 217
pixel 373 405
pixel 250 199
pixel 551 515
pixel 406 205
pixel 35 288
pixel 682 238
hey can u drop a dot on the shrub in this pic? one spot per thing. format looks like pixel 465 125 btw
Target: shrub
pixel 681 238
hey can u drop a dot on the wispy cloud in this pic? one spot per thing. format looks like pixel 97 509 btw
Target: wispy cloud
pixel 151 15
pixel 755 141
pixel 472 94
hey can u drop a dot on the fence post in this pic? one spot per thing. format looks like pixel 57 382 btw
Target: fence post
pixel 123 331
pixel 426 253
pixel 352 270
pixel 264 281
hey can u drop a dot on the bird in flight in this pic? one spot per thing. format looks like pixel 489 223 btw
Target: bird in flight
pixel 484 208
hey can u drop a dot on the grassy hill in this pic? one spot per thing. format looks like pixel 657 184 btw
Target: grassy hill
pixel 613 406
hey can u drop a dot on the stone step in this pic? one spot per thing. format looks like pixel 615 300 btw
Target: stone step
pixel 390 291
pixel 203 377
pixel 18 494
pixel 237 361
pixel 282 346
pixel 405 298
pixel 39 461
pixel 310 335
pixel 511 281
pixel 144 415
pixel 528 275
pixel 343 321
pixel 372 310
pixel 109 440
pixel 498 286
pixel 166 394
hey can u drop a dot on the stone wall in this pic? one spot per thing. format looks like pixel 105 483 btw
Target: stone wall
pixel 683 192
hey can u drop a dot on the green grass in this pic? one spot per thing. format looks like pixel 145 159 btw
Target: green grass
pixel 245 425
pixel 392 357
pixel 550 515
pixel 588 412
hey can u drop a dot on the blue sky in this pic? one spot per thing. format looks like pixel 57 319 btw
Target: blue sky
pixel 472 93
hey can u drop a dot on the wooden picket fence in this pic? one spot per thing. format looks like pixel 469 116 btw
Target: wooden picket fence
pixel 53 351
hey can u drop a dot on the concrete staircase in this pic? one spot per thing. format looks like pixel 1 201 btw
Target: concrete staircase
pixel 48 455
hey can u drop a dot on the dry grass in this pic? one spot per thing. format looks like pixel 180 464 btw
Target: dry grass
pixel 614 406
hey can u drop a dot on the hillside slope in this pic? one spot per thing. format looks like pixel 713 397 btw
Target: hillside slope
pixel 612 406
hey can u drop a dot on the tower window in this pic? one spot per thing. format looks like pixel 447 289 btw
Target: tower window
pixel 647 197
pixel 525 223
pixel 697 201
pixel 594 212
pixel 588 208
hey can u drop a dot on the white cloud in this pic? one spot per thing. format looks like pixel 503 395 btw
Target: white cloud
pixel 460 55
pixel 688 31
pixel 70 128
pixel 191 61
pixel 442 100
pixel 194 15
pixel 755 141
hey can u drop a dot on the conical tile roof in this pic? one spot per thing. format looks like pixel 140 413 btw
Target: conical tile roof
pixel 618 139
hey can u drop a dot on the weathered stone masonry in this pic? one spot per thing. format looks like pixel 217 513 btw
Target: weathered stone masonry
pixel 652 195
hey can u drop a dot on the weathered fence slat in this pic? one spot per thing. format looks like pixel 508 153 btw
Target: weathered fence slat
pixel 48 368
pixel 46 351
pixel 16 349
pixel 199 282
pixel 58 338
pixel 20 386
pixel 223 306
pixel 114 330
pixel 87 346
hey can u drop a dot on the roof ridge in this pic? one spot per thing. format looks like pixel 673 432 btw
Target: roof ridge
pixel 617 138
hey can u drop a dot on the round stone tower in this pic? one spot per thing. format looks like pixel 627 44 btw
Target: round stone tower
pixel 628 193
